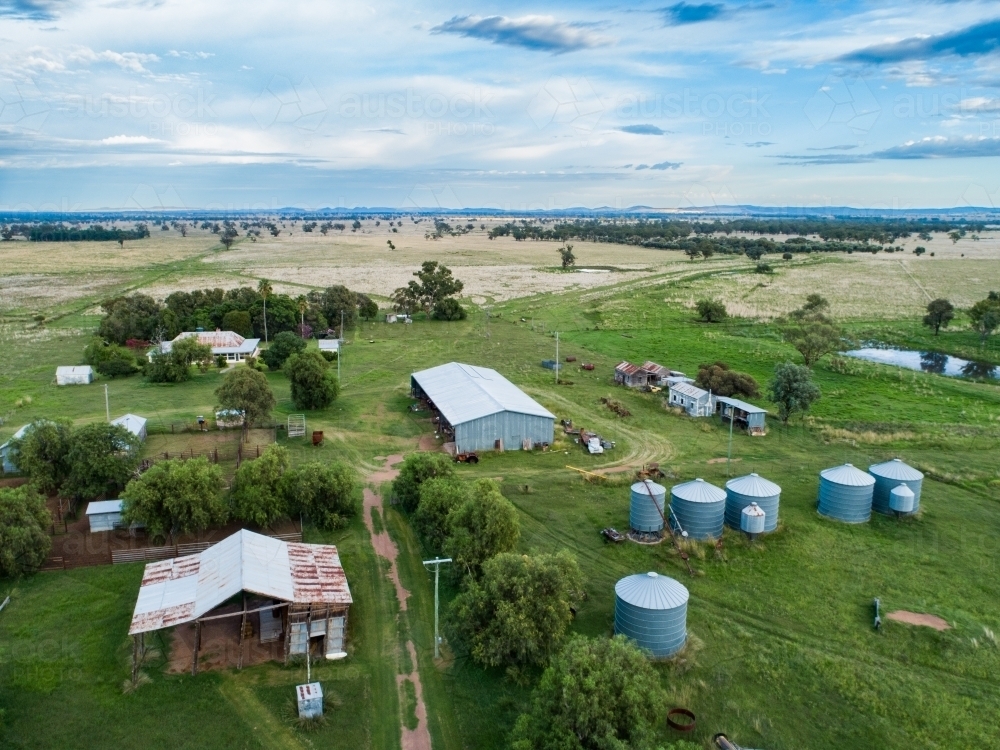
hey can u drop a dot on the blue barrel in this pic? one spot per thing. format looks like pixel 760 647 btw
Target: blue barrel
pixel 890 475
pixel 652 610
pixel 845 493
pixel 752 488
pixel 646 506
pixel 699 508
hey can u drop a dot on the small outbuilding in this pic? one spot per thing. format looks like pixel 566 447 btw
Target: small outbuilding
pixel 745 416
pixel 692 399
pixel 226 419
pixel 329 345
pixel 104 515
pixel 480 410
pixel 134 424
pixel 76 375
pixel 631 375
pixel 7 452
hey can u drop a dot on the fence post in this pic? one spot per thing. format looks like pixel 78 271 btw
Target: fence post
pixel 258 450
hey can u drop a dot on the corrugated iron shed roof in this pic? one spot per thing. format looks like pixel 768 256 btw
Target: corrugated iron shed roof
pixel 655 369
pixel 896 469
pixel 184 588
pixel 463 393
pixel 848 475
pixel 104 506
pixel 74 370
pixel 686 389
pixel 651 591
pixel 131 422
pixel 627 368
pixel 742 405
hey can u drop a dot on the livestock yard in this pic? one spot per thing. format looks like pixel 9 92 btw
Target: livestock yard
pixel 781 652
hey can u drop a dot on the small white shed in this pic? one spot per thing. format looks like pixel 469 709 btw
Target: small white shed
pixel 104 514
pixel 77 375
pixel 7 451
pixel 134 424
pixel 329 345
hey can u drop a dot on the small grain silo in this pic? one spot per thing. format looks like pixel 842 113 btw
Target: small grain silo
pixel 646 506
pixel 902 500
pixel 652 610
pixel 699 508
pixel 890 475
pixel 845 493
pixel 752 520
pixel 752 488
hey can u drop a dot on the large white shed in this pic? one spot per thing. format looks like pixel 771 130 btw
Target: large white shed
pixel 76 375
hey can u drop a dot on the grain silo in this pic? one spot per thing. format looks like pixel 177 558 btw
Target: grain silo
pixel 646 506
pixel 752 520
pixel 845 493
pixel 891 474
pixel 652 610
pixel 699 508
pixel 752 488
pixel 902 501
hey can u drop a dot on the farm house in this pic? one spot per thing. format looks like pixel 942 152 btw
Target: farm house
pixel 692 399
pixel 743 415
pixel 7 453
pixel 292 593
pixel 134 424
pixel 480 409
pixel 78 375
pixel 228 344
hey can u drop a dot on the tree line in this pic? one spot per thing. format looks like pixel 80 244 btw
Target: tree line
pixel 69 233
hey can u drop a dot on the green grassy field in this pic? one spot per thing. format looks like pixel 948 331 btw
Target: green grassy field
pixel 783 653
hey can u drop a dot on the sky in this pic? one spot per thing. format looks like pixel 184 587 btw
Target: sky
pixel 154 104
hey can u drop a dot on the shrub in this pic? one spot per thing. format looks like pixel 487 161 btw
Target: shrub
pixel 24 537
pixel 763 268
pixel 175 366
pixel 416 469
pixel 597 693
pixel 283 346
pixel 786 256
pixel 314 385
pixel 176 496
pixel 710 311
pixel 325 493
pixel 517 614
pixel 257 496
pixel 483 526
pixel 448 309
pixel 110 360
pixel 723 381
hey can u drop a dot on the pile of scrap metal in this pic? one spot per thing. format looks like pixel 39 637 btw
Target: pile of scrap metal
pixel 593 442
pixel 613 535
pixel 649 471
pixel 616 406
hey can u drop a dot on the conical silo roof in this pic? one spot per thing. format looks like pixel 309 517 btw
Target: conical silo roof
pixel 651 591
pixel 902 490
pixel 848 475
pixel 753 485
pixel 651 489
pixel 896 469
pixel 698 491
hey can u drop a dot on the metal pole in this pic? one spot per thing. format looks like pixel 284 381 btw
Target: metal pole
pixel 107 404
pixel 436 562
pixel 729 456
pixel 557 358
pixel 340 344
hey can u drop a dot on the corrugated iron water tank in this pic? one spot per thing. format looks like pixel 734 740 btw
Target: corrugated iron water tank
pixel 845 493
pixel 699 508
pixel 652 610
pixel 890 475
pixel 752 488
pixel 642 513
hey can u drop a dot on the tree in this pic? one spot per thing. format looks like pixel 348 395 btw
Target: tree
pixel 815 304
pixel 42 454
pixel 448 309
pixel 811 331
pixel 285 344
pixel 436 283
pixel 417 469
pixel 257 495
pixel 325 493
pixel 24 537
pixel 174 366
pixel 367 307
pixel 133 317
pixel 406 299
pixel 303 304
pixel 247 391
pixel 722 381
pixel 918 251
pixel 566 254
pixel 175 497
pixel 710 311
pixel 597 694
pixel 314 384
pixel 985 317
pixel 518 612
pixel 439 496
pixel 239 322
pixel 264 289
pixel 792 389
pixel 483 526
pixel 101 459
pixel 339 303
pixel 940 313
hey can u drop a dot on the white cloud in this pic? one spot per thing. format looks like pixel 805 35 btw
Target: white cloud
pixel 129 140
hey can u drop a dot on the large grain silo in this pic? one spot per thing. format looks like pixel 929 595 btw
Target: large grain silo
pixel 646 506
pixel 652 610
pixel 891 474
pixel 752 488
pixel 699 508
pixel 845 493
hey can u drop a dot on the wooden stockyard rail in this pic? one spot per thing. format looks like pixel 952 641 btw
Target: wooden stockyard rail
pixel 150 554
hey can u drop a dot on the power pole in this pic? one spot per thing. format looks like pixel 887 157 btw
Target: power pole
pixel 556 368
pixel 729 455
pixel 437 562
pixel 340 344
pixel 107 403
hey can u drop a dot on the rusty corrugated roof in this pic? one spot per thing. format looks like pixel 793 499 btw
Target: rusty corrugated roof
pixel 627 368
